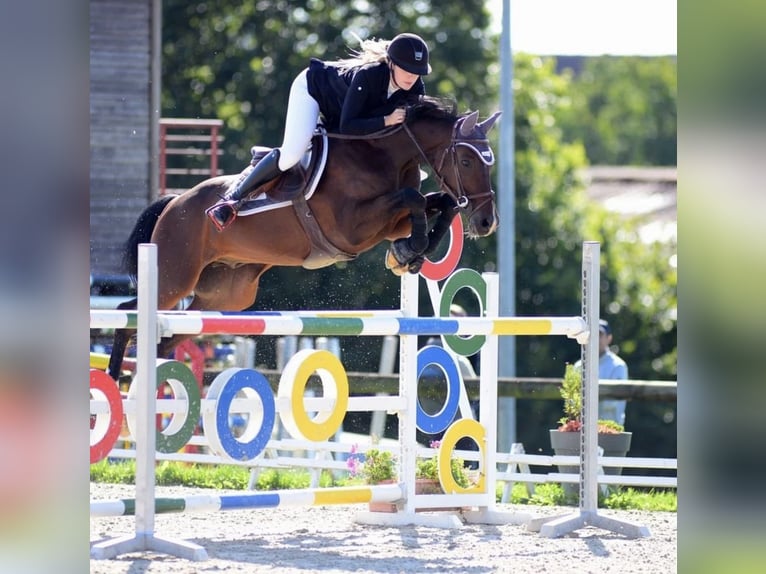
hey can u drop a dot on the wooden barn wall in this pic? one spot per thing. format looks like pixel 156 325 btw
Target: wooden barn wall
pixel 120 124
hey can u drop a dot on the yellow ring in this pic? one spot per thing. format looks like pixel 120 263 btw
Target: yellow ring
pixel 461 428
pixel 335 386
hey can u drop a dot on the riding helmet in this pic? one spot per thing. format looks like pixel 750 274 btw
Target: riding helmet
pixel 410 52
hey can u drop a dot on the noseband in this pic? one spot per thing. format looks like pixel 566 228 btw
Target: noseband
pixel 474 144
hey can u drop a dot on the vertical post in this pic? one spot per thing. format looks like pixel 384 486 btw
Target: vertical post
pixel 506 260
pixel 163 158
pixel 213 151
pixel 146 404
pixel 587 514
pixel 146 410
pixel 488 417
pixel 408 390
pixel 488 387
pixel 591 258
pixel 156 155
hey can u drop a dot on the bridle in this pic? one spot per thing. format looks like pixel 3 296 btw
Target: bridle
pixel 474 144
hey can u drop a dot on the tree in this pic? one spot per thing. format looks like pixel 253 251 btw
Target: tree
pixel 550 208
pixel 236 60
pixel 624 110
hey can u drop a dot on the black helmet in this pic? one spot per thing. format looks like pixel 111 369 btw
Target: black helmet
pixel 409 52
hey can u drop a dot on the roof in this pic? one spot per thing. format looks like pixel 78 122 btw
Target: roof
pixel 646 192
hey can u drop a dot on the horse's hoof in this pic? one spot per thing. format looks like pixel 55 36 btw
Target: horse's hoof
pixel 394 266
pixel 416 264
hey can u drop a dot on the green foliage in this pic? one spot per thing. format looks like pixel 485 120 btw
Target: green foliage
pixel 123 472
pixel 554 217
pixel 639 298
pixel 571 392
pixel 429 468
pixel 632 499
pixel 550 208
pixel 173 473
pixel 273 479
pixel 379 465
pixel 624 110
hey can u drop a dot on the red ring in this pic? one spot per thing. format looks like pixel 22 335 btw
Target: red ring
pixel 100 381
pixel 438 270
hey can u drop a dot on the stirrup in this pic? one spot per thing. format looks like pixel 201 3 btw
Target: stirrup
pixel 211 213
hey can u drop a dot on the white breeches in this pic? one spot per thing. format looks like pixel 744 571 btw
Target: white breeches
pixel 302 117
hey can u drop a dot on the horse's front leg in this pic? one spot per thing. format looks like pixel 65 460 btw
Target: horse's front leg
pixel 406 254
pixel 446 209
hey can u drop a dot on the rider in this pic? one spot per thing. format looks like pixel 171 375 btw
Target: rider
pixel 358 95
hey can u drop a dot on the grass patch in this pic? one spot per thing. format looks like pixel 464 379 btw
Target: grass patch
pixel 231 477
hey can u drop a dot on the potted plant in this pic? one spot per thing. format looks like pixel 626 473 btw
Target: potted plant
pixel 379 467
pixel 565 440
pixel 427 473
pixel 374 467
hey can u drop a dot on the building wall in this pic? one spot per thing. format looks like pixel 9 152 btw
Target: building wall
pixel 121 119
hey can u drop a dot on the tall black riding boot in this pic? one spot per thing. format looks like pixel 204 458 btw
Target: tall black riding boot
pixel 224 212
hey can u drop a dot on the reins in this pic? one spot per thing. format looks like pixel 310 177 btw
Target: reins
pixel 459 196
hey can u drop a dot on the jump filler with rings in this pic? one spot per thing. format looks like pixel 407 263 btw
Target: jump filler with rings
pixel 319 419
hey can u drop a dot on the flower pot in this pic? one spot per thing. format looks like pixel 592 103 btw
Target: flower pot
pixel 422 486
pixel 383 506
pixel 428 486
pixel 568 444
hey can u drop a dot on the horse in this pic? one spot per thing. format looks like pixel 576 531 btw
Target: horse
pixel 368 193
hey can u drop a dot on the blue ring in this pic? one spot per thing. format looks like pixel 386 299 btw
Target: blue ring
pixel 245 378
pixel 433 355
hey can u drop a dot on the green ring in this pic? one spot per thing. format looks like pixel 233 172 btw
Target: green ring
pixel 177 371
pixel 460 279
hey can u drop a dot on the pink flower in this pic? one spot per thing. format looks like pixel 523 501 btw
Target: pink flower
pixel 352 462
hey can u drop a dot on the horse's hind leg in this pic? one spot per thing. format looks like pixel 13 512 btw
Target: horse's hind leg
pixel 220 288
pixel 120 343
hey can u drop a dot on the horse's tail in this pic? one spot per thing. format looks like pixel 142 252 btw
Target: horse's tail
pixel 142 233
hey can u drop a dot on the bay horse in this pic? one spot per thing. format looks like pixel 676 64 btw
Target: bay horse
pixel 368 193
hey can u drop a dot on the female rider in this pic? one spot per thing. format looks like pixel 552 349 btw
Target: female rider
pixel 358 95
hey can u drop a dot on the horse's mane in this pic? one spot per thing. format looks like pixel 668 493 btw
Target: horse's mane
pixel 430 107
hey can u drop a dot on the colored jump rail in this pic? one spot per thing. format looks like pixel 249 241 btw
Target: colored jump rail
pixel 270 499
pixel 213 323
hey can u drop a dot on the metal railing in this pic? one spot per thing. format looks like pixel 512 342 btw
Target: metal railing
pixel 189 150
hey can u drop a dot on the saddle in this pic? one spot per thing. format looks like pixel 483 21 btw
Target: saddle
pixel 299 180
pixel 295 187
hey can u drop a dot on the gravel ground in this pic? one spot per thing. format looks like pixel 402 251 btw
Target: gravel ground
pixel 327 540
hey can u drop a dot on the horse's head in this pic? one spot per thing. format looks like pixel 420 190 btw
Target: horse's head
pixel 461 159
pixel 467 179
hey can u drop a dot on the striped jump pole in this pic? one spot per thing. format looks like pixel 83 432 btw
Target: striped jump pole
pixel 215 323
pixel 271 499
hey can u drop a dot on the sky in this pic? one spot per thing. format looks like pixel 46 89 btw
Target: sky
pixel 590 27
